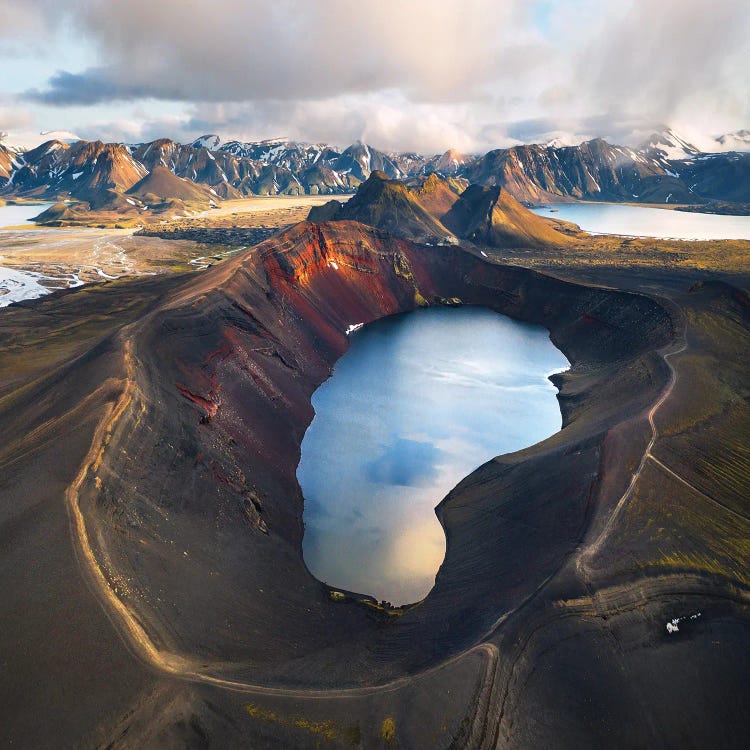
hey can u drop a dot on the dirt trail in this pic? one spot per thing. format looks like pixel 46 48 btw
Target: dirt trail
pixel 593 548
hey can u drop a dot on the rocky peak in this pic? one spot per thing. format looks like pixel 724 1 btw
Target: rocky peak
pixel 211 142
pixel 666 144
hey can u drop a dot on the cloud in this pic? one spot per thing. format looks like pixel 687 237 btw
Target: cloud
pixel 94 86
pixel 15 118
pixel 616 127
pixel 26 18
pixel 681 60
pixel 259 50
pixel 414 74
pixel 139 127
pixel 384 120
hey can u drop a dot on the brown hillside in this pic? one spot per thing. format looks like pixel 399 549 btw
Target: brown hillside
pixel 6 162
pixel 161 183
pixel 437 196
pixel 492 216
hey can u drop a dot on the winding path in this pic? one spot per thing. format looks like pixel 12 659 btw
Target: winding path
pixel 596 545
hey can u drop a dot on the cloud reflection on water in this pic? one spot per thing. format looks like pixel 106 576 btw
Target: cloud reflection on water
pixel 416 404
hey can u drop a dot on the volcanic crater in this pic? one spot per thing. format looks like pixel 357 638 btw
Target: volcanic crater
pixel 194 493
pixel 183 430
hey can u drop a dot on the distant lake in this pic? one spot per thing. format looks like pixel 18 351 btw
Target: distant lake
pixel 13 216
pixel 640 221
pixel 416 404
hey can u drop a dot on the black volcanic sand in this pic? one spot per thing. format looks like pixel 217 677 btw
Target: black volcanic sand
pixel 153 584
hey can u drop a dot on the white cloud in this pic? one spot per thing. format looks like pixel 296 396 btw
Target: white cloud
pixel 403 74
pixel 15 118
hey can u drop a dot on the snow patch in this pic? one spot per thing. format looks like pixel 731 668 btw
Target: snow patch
pixel 353 327
pixel 673 626
pixel 104 275
pixel 211 142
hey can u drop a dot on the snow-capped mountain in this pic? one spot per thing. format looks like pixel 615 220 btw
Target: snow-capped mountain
pixel 667 145
pixel 282 152
pixel 83 170
pixel 8 145
pixel 59 135
pixel 665 168
pixel 361 160
pixel 211 142
pixel 556 142
pixel 449 163
pixel 25 141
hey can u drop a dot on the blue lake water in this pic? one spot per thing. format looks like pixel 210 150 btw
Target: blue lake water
pixel 14 216
pixel 641 221
pixel 416 404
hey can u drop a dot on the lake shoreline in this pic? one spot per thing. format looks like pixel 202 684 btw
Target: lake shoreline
pixel 632 221
pixel 380 425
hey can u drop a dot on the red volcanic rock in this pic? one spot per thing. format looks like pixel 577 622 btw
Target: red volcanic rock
pixel 208 404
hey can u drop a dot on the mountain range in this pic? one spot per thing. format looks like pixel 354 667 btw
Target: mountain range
pixel 663 169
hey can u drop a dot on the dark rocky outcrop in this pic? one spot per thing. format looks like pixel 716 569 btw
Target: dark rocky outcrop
pixel 595 170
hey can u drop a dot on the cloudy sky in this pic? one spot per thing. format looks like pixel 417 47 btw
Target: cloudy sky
pixel 419 75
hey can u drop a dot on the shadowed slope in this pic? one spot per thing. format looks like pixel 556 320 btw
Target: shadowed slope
pixel 492 216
